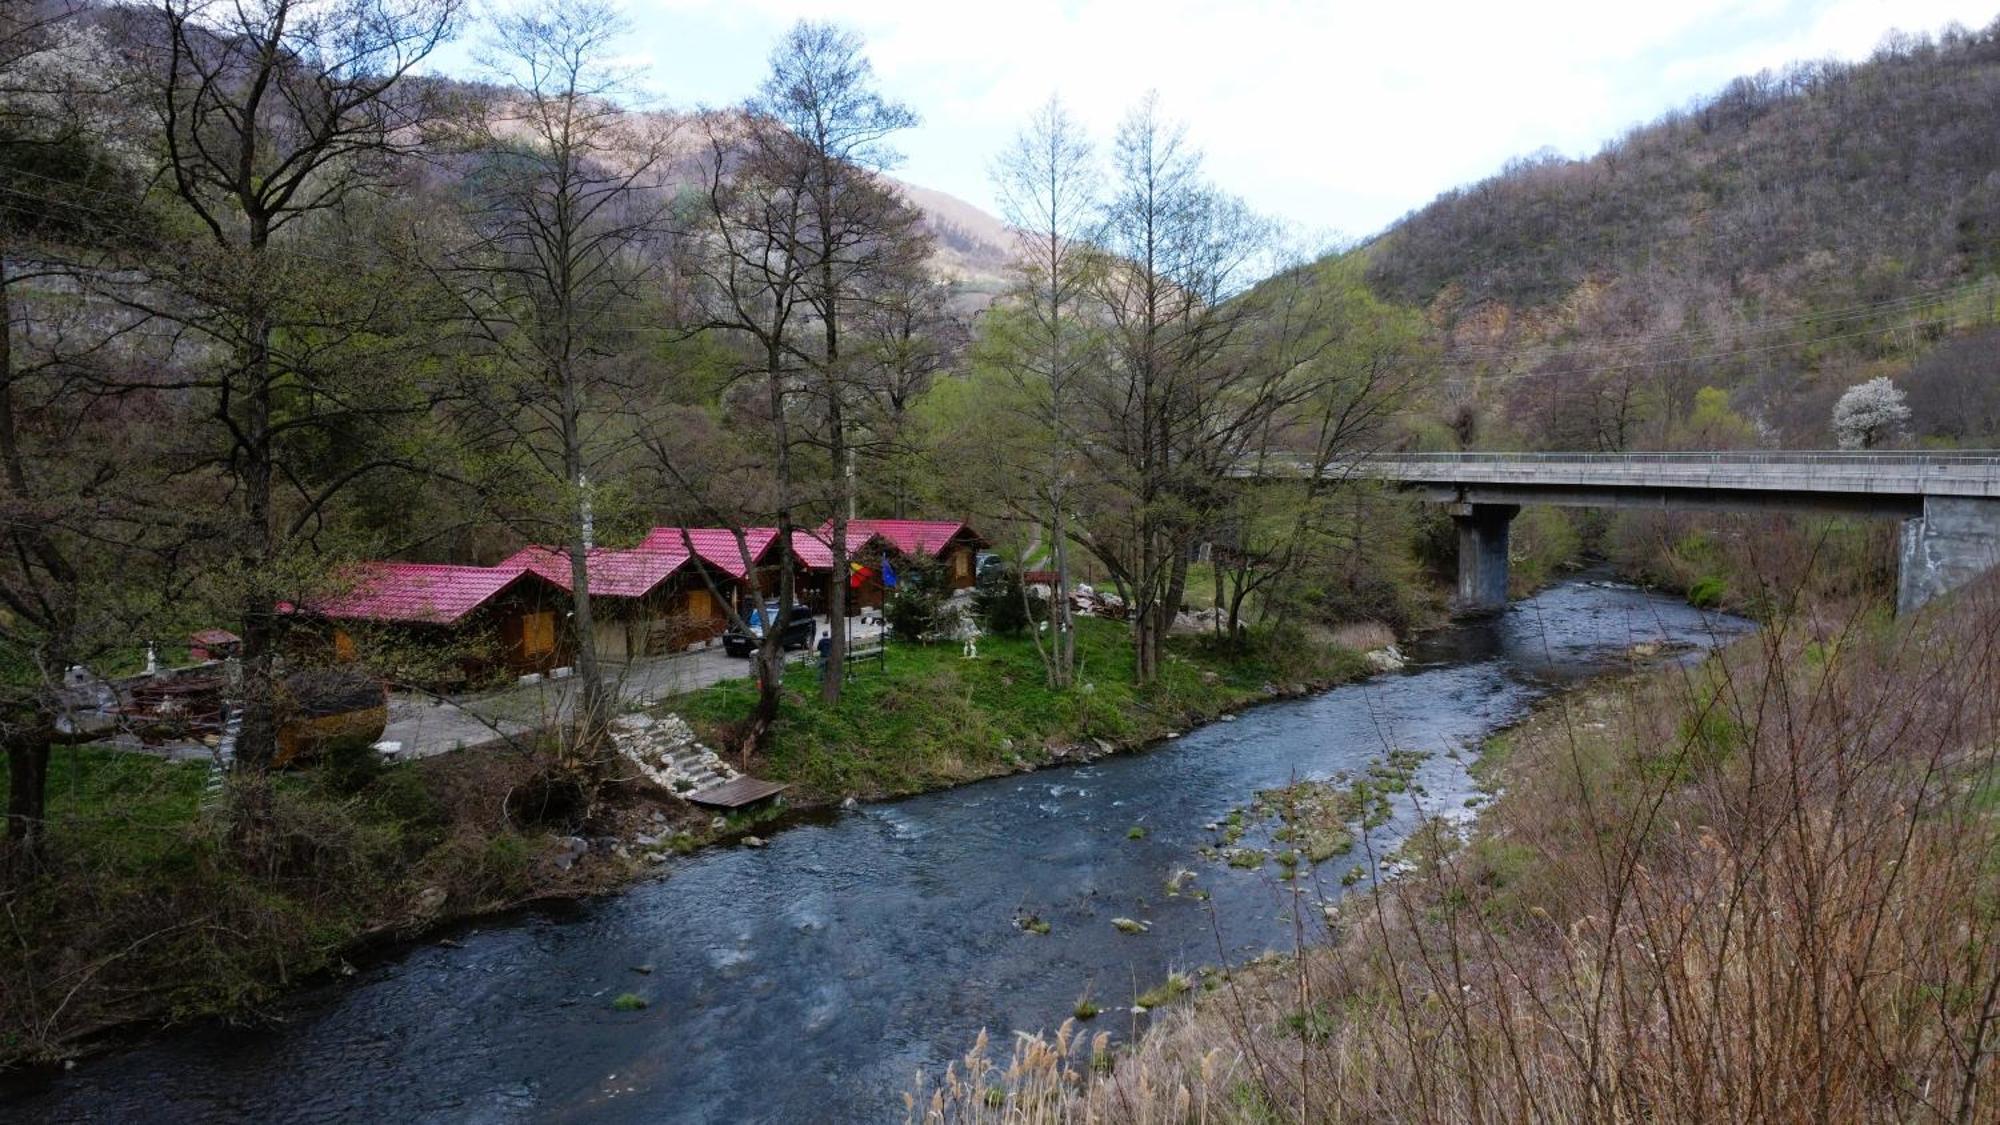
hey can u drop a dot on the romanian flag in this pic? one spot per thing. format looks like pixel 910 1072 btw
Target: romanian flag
pixel 857 575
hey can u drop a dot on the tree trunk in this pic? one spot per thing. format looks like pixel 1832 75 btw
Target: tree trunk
pixel 257 738
pixel 593 706
pixel 836 597
pixel 1063 671
pixel 27 788
pixel 836 594
pixel 770 655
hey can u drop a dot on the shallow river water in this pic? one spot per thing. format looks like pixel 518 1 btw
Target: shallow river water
pixel 812 979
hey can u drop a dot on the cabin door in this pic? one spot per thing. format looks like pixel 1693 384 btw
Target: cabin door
pixel 613 642
pixel 701 615
pixel 538 638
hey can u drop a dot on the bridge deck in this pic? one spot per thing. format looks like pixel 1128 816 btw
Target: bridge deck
pixel 1846 474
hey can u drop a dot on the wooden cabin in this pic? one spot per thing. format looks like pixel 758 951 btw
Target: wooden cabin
pixel 446 624
pixel 954 546
pixel 646 601
pixel 719 548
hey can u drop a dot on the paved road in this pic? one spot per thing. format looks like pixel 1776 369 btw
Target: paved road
pixel 424 726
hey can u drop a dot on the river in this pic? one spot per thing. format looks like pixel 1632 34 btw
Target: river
pixel 812 979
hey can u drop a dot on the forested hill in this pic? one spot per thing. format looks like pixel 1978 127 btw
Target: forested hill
pixel 1794 233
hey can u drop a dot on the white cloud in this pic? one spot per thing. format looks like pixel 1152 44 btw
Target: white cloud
pixel 1331 114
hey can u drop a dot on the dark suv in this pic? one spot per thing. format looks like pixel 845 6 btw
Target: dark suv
pixel 800 631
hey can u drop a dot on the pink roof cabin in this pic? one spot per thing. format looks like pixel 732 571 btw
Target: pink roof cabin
pixel 510 608
pixel 613 573
pixel 953 544
pixel 425 593
pixel 717 546
pixel 647 600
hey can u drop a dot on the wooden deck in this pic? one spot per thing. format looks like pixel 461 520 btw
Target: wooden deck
pixel 738 793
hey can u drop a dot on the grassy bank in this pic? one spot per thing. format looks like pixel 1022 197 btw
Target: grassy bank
pixel 1759 889
pixel 931 718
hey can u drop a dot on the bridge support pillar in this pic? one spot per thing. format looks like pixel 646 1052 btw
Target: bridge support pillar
pixel 1955 540
pixel 1482 555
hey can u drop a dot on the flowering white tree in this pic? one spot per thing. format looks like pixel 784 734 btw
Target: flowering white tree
pixel 1869 414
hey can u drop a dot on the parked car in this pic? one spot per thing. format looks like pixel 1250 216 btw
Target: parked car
pixel 800 631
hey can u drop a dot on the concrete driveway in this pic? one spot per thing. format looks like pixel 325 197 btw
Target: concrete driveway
pixel 423 725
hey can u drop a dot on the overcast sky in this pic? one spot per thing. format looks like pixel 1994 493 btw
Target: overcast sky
pixel 1338 117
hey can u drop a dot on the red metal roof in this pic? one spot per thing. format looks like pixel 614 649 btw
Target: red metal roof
pixel 716 546
pixel 613 574
pixel 912 537
pixel 424 592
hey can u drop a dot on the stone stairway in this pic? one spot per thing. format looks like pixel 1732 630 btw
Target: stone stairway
pixel 666 751
pixel 696 768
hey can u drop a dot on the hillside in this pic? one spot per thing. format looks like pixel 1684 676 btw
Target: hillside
pixel 971 247
pixel 1782 240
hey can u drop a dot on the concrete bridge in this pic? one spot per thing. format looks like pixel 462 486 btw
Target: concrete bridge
pixel 1949 503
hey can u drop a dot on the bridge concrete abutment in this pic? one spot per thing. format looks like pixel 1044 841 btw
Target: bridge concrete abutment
pixel 1955 540
pixel 1482 555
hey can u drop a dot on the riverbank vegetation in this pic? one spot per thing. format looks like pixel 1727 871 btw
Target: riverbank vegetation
pixel 165 915
pixel 1752 888
pixel 150 908
pixel 930 717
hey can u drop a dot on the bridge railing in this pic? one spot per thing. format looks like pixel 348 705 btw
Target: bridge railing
pixel 1898 458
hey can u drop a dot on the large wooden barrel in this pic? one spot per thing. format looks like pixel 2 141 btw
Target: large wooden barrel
pixel 328 709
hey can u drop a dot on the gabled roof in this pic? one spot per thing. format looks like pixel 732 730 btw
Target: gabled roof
pixel 613 574
pixel 431 593
pixel 815 548
pixel 911 537
pixel 715 546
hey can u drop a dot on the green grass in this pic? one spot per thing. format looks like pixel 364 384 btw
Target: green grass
pixel 120 808
pixel 931 718
pixel 1166 992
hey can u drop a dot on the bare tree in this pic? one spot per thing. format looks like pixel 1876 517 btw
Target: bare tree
pixel 821 90
pixel 1048 182
pixel 1175 412
pixel 271 112
pixel 908 335
pixel 66 464
pixel 746 281
pixel 568 203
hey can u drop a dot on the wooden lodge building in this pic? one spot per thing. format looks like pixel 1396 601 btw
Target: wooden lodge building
pixel 458 622
pixel 647 601
pixel 664 595
pixel 953 546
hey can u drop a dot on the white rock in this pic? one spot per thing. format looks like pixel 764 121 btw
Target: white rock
pixel 1386 659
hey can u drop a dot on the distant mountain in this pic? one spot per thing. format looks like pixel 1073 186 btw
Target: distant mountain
pixel 974 248
pixel 1782 240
